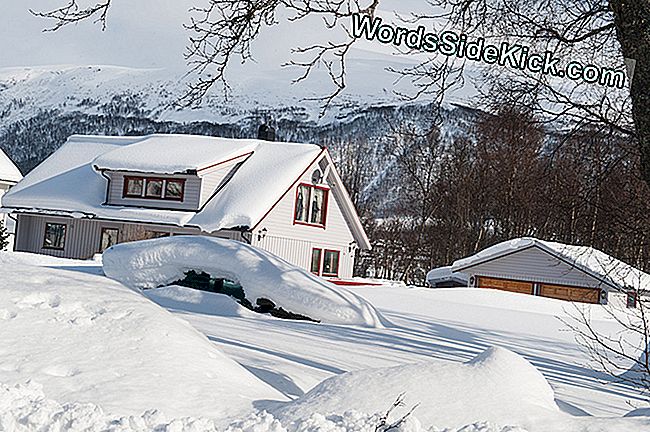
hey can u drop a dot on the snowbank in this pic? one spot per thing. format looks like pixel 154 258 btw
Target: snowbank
pixel 25 408
pixel 86 339
pixel 497 386
pixel 158 262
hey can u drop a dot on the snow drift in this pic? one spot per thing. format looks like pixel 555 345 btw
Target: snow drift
pixel 497 386
pixel 158 262
pixel 26 408
pixel 87 339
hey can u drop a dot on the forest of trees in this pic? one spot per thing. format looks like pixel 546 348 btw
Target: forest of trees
pixel 510 178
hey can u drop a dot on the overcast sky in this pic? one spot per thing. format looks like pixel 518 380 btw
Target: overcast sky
pixel 141 33
pixel 150 34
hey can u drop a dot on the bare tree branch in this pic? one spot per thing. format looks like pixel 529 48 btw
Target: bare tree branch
pixel 72 13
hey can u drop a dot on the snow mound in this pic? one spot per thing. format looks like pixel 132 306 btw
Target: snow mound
pixel 159 262
pixel 498 386
pixel 195 301
pixel 86 338
pixel 25 408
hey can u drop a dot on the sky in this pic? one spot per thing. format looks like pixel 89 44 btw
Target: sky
pixel 140 33
pixel 150 34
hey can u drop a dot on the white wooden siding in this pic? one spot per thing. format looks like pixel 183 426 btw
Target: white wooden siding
pixel 295 242
pixel 4 187
pixel 535 265
pixel 211 178
pixel 83 236
pixel 191 194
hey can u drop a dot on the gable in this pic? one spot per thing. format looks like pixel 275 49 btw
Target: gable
pixel 342 222
pixel 535 265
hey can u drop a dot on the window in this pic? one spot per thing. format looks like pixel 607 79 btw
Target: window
pixel 631 299
pixel 154 188
pixel 174 190
pixel 109 238
pixel 133 187
pixel 157 234
pixel 316 255
pixel 54 236
pixel 302 204
pixel 311 205
pixel 331 263
pixel 317 209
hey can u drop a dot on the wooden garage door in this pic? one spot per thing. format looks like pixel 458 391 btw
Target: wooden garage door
pixel 505 285
pixel 583 295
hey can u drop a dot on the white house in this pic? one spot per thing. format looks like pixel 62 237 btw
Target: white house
pixel 9 176
pixel 96 191
pixel 555 270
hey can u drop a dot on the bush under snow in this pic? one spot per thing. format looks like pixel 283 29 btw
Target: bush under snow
pixel 159 262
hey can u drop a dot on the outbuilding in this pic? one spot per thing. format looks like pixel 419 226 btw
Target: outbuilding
pixel 555 270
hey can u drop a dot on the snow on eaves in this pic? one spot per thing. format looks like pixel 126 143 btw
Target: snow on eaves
pixel 593 261
pixel 55 186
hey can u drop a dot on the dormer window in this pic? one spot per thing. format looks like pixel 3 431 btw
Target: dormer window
pixel 311 205
pixel 154 188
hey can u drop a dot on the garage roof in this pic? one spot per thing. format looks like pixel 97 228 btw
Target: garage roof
pixel 592 261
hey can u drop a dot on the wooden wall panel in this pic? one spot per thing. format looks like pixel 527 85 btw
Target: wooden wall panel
pixel 562 292
pixel 505 285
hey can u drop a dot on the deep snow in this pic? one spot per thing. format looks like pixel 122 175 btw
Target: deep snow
pixel 158 262
pixel 87 339
pixel 427 353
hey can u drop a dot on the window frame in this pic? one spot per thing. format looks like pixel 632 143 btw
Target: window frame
pixel 338 263
pixel 320 261
pixel 149 180
pixel 163 193
pixel 101 237
pixel 125 191
pixel 65 236
pixel 632 299
pixel 326 193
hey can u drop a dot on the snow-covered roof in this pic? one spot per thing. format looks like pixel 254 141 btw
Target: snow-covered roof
pixel 152 153
pixel 9 172
pixel 592 261
pixel 70 182
pixel 446 274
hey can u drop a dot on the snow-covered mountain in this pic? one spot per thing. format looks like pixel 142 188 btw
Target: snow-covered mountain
pixel 40 106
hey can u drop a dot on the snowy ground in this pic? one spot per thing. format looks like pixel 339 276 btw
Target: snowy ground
pixel 443 328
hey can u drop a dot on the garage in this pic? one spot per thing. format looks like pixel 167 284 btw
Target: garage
pixel 553 270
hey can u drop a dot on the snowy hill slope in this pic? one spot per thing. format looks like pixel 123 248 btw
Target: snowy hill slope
pixel 88 339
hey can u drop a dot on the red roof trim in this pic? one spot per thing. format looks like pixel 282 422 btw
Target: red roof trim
pixel 223 162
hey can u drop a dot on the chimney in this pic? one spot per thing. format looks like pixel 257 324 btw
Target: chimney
pixel 266 133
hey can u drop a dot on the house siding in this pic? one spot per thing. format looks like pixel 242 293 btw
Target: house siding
pixel 83 236
pixel 191 196
pixel 534 265
pixel 294 242
pixel 211 178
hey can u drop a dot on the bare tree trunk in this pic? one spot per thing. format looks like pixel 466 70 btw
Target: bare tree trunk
pixel 633 33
